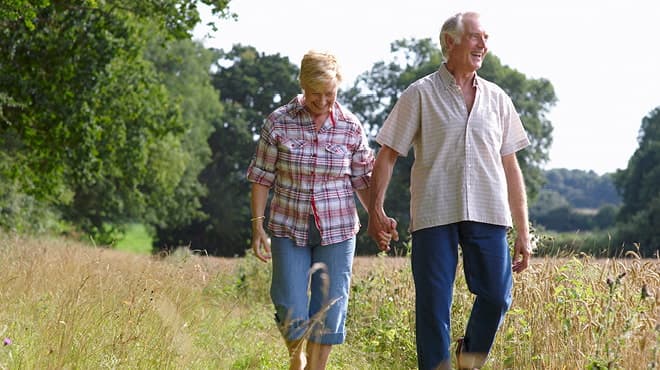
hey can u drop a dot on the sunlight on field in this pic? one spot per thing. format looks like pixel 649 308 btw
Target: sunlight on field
pixel 136 239
pixel 66 305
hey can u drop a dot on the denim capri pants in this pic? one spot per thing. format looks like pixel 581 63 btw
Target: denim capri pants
pixel 316 309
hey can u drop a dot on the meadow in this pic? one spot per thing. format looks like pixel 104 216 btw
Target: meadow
pixel 68 305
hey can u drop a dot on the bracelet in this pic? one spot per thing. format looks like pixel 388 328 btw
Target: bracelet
pixel 257 218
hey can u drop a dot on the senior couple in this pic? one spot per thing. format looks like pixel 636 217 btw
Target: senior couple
pixel 466 190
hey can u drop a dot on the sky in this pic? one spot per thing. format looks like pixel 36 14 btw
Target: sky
pixel 602 57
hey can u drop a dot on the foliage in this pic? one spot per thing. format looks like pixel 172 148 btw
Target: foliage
pixel 24 214
pixel 376 91
pixel 23 10
pixel 257 81
pixel 87 126
pixel 638 184
pixel 183 68
pixel 582 189
pixel 572 200
pixel 381 314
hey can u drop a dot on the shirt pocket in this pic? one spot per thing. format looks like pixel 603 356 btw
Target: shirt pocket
pixel 292 158
pixel 487 129
pixel 337 160
pixel 292 145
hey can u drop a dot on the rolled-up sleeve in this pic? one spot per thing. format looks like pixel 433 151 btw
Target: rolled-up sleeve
pixel 362 163
pixel 262 167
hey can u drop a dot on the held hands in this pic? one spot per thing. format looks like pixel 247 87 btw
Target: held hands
pixel 382 229
pixel 260 241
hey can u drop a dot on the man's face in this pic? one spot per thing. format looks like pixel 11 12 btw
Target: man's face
pixel 469 54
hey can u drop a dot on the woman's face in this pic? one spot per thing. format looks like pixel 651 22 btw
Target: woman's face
pixel 320 101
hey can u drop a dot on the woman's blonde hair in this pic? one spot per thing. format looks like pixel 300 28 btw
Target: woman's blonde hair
pixel 318 69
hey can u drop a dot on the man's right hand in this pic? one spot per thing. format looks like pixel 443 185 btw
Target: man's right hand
pixel 382 230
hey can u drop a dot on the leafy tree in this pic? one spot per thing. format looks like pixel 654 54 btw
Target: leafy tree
pixel 251 85
pixel 183 66
pixel 86 123
pixel 376 91
pixel 639 216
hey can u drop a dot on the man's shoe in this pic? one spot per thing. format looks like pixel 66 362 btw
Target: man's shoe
pixel 462 360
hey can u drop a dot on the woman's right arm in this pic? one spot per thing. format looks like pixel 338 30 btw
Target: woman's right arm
pixel 260 240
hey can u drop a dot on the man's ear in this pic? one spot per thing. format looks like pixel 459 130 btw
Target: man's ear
pixel 449 41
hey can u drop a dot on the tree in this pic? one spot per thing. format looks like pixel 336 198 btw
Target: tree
pixel 183 66
pixel 639 216
pixel 87 126
pixel 376 91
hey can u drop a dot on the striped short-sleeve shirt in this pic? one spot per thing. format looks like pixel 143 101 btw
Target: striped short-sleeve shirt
pixel 312 172
pixel 458 173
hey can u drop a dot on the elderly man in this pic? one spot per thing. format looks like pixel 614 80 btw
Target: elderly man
pixel 466 189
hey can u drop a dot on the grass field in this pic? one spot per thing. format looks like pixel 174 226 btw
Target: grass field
pixel 64 305
pixel 136 239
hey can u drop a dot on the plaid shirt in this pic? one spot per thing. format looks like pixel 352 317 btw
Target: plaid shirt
pixel 312 172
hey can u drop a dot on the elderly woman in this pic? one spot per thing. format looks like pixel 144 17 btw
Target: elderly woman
pixel 314 153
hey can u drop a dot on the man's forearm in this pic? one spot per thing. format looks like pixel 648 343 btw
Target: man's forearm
pixel 380 178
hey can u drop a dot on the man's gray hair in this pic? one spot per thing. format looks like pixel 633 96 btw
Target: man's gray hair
pixel 453 27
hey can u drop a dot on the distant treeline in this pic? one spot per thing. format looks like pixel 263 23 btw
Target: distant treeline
pixel 576 200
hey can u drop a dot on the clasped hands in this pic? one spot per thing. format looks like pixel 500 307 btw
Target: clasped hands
pixel 382 230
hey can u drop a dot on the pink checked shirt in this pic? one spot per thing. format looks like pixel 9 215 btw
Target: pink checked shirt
pixel 312 172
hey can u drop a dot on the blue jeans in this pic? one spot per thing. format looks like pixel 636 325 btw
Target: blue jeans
pixel 487 268
pixel 320 316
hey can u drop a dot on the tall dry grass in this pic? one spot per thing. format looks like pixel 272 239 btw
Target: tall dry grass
pixel 65 305
pixel 568 313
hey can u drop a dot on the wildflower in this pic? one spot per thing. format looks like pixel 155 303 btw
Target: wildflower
pixel 6 342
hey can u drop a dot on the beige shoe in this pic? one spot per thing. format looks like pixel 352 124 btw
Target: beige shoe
pixel 464 361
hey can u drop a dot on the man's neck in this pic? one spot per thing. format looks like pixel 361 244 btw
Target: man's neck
pixel 463 77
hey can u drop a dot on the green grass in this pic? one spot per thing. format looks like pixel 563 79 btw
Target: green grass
pixel 136 240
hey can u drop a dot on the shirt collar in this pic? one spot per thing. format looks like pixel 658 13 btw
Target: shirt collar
pixel 449 80
pixel 296 107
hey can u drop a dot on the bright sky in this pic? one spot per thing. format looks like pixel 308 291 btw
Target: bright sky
pixel 601 56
